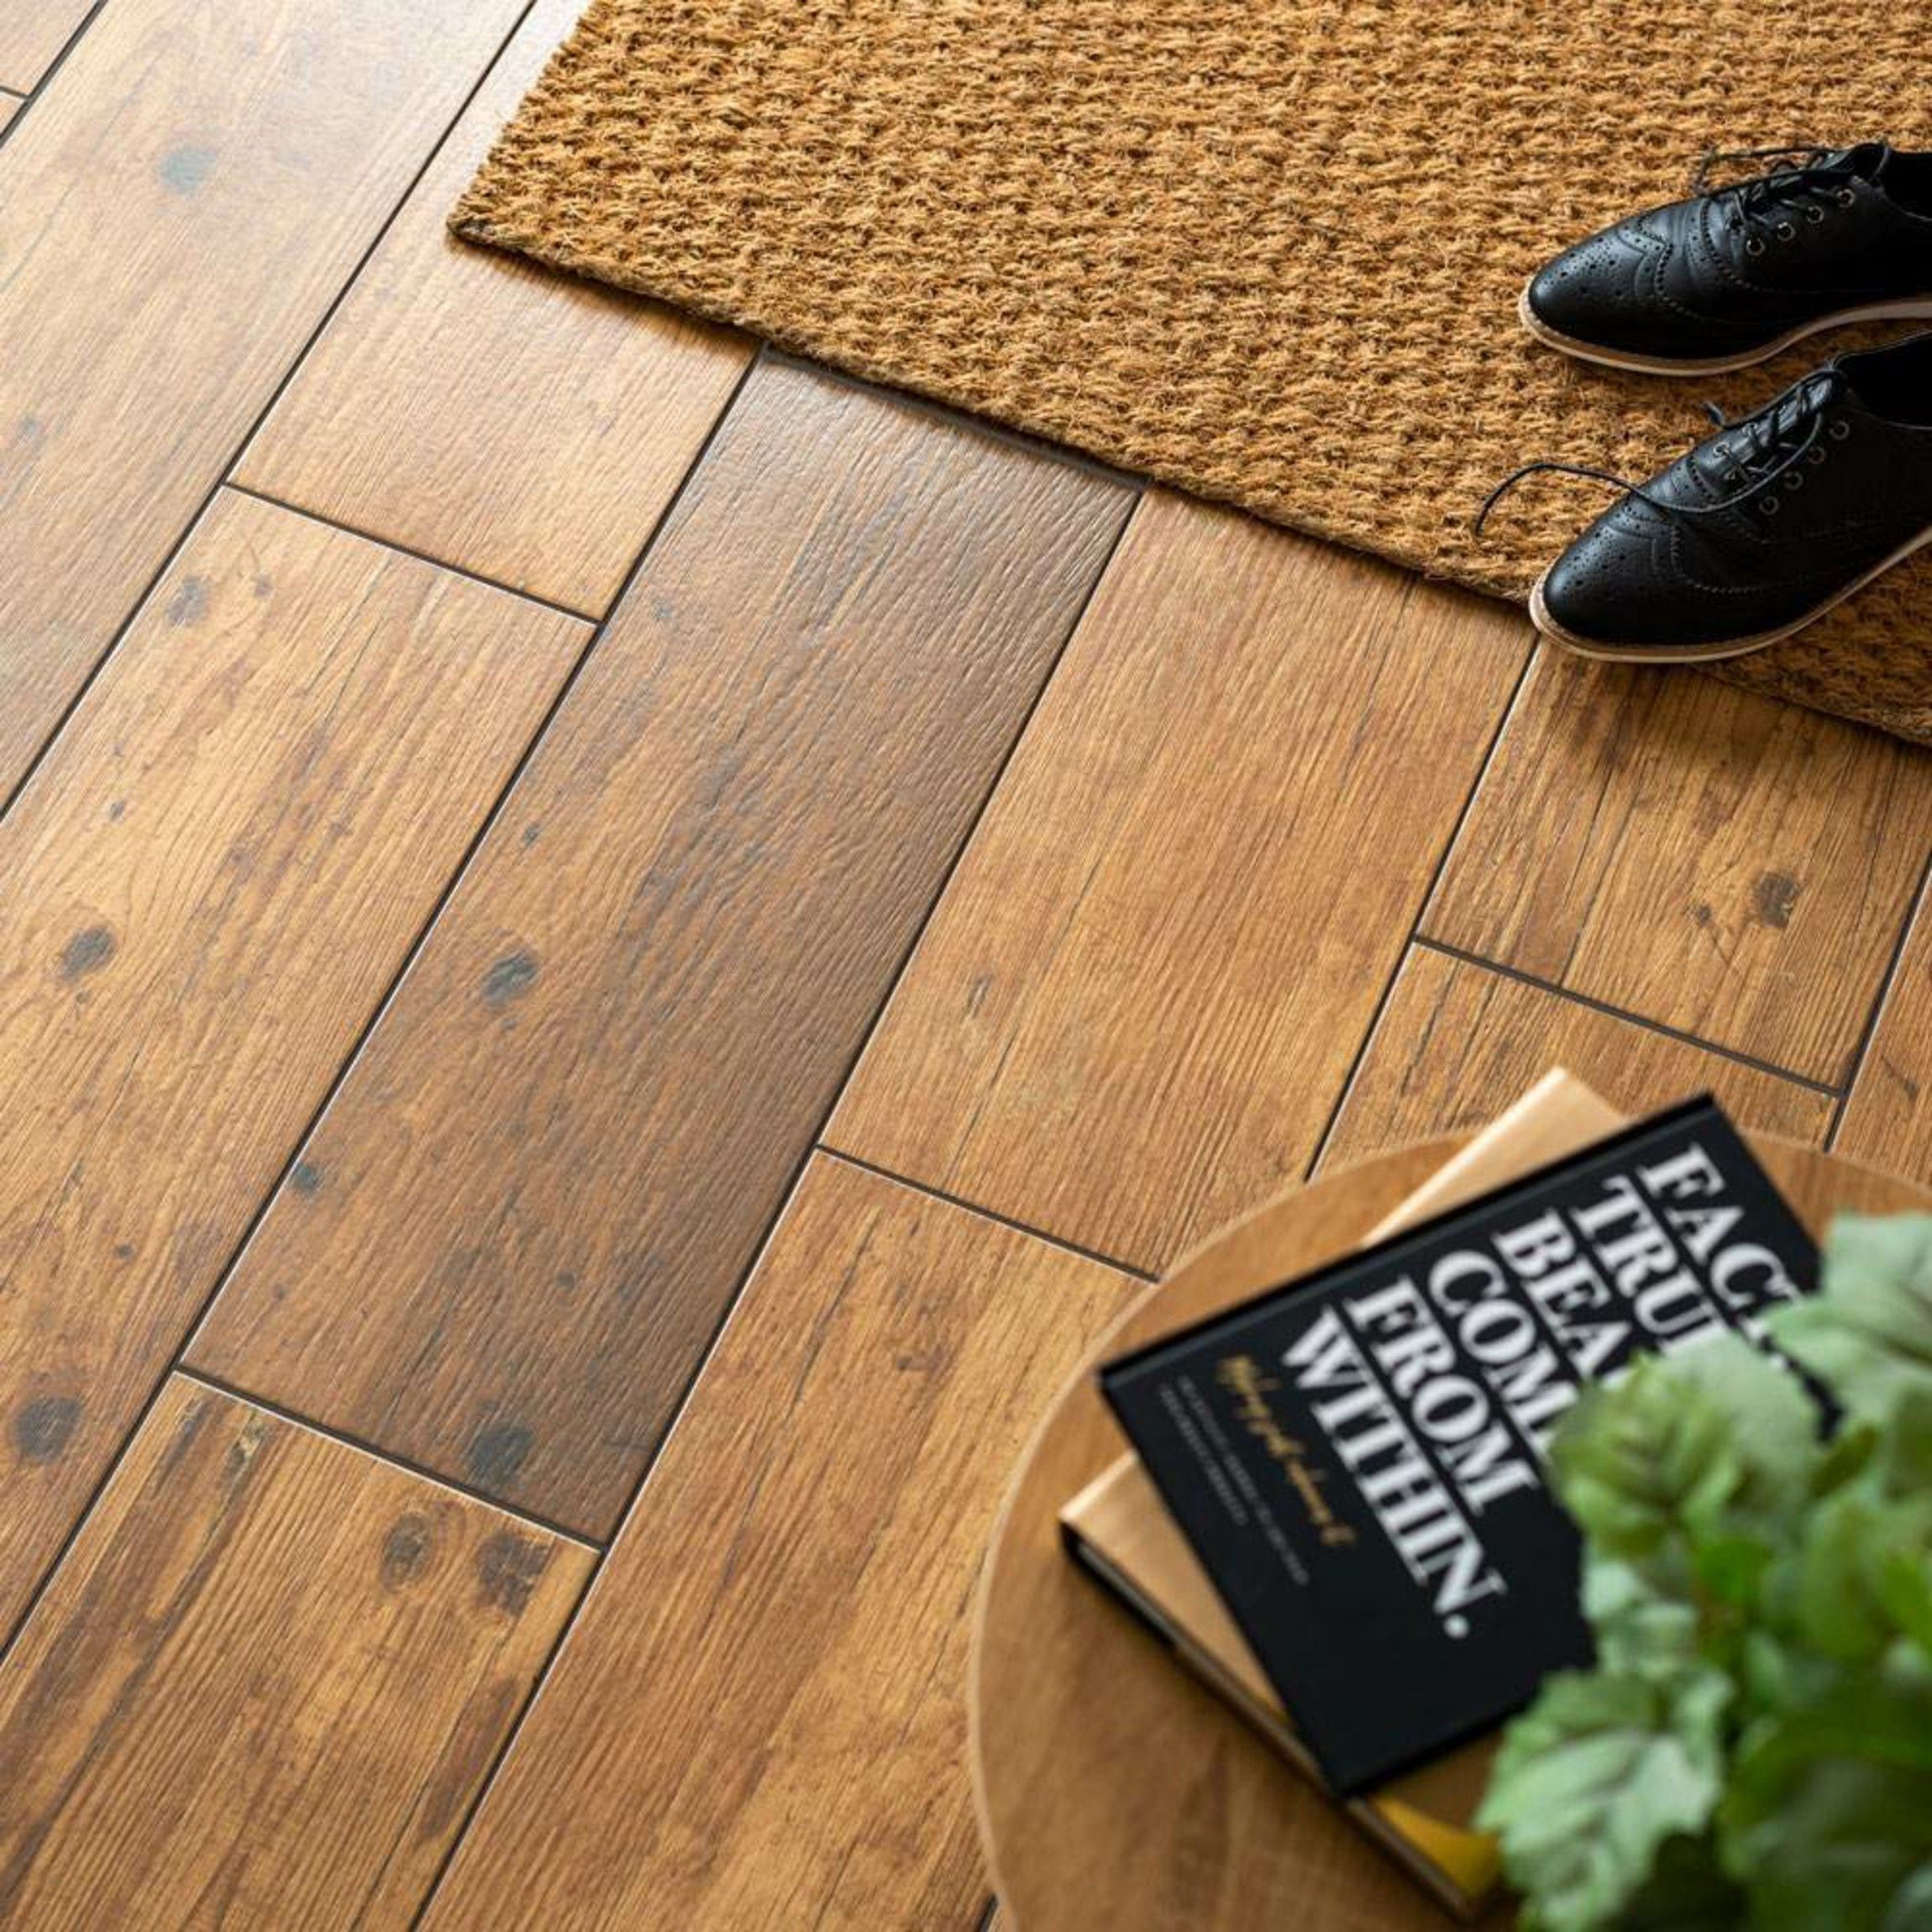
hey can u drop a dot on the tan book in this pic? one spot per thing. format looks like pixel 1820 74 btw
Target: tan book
pixel 1118 1528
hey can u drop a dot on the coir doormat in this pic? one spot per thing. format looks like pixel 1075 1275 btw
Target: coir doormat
pixel 1267 250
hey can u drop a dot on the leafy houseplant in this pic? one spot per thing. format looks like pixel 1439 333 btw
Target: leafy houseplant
pixel 1754 1745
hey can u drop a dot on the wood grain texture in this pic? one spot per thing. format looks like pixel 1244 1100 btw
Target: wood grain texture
pixel 525 426
pixel 1888 1120
pixel 209 883
pixel 789 1601
pixel 553 1164
pixel 266 1684
pixel 9 106
pixel 32 34
pixel 1733 868
pixel 1458 1043
pixel 1136 1006
pixel 1121 1795
pixel 175 216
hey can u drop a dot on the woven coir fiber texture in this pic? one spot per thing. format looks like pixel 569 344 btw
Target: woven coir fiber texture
pixel 1267 250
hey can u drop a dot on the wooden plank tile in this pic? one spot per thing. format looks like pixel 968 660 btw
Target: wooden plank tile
pixel 266 1682
pixel 210 881
pixel 1888 1120
pixel 9 106
pixel 1458 1043
pixel 790 1600
pixel 1733 868
pixel 32 34
pixel 175 216
pixel 1134 1012
pixel 555 1160
pixel 524 425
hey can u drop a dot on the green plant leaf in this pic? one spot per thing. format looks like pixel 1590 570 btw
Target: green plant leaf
pixel 1836 1610
pixel 1846 1458
pixel 1905 1455
pixel 1732 1568
pixel 1687 1891
pixel 1882 1715
pixel 1910 1909
pixel 1862 1573
pixel 1639 1464
pixel 1775 1674
pixel 1754 1748
pixel 1868 1334
pixel 1904 1585
pixel 1827 1816
pixel 1640 1631
pixel 1847 1851
pixel 1776 1426
pixel 1593 1778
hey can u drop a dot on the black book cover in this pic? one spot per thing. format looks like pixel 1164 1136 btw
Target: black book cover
pixel 1358 1457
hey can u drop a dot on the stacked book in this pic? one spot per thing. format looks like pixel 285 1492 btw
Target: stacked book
pixel 1335 1508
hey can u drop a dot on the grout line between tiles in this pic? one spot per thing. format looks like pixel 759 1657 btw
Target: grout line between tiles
pixel 409 550
pixel 984 1213
pixel 1920 908
pixel 219 1385
pixel 1734 1053
pixel 1422 905
pixel 54 66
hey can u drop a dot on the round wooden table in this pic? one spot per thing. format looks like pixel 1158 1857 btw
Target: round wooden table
pixel 1114 1790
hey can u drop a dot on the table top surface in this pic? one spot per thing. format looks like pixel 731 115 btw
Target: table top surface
pixel 1114 1790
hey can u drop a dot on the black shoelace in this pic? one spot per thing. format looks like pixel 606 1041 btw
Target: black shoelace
pixel 1763 206
pixel 1784 434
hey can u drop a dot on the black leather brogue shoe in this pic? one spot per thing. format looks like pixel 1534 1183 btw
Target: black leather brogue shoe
pixel 1762 527
pixel 1733 274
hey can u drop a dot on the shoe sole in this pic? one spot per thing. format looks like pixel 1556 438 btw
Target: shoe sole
pixel 1703 654
pixel 1918 309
